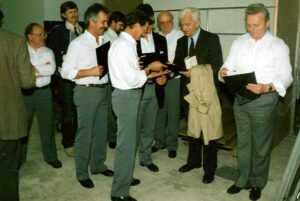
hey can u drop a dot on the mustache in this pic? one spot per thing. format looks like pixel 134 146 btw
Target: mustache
pixel 74 17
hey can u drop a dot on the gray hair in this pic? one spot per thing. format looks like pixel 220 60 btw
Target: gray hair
pixel 195 13
pixel 257 8
pixel 164 12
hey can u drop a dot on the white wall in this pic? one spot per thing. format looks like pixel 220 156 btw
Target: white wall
pixel 52 8
pixel 226 18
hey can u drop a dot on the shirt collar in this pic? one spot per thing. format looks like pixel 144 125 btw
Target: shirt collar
pixel 161 33
pixel 128 37
pixel 71 26
pixel 265 37
pixel 112 32
pixel 31 48
pixel 92 37
pixel 196 35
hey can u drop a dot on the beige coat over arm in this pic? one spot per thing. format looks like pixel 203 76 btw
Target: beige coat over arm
pixel 16 72
pixel 205 111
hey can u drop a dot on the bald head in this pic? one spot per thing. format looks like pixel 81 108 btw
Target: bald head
pixel 165 22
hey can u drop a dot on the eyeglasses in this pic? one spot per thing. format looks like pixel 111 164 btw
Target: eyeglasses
pixel 40 34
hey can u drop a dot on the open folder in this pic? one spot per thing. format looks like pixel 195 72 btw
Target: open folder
pixel 102 57
pixel 237 85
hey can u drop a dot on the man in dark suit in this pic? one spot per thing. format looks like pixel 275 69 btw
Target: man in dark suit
pixel 59 41
pixel 206 47
pixel 16 73
pixel 152 97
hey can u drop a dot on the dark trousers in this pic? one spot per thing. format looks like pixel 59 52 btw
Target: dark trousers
pixel 10 155
pixel 209 155
pixel 69 115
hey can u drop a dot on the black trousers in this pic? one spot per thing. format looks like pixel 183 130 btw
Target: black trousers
pixel 209 155
pixel 10 154
pixel 69 114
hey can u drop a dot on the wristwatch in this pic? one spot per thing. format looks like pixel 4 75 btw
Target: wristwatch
pixel 270 88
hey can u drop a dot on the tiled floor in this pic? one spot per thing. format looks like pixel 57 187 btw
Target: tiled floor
pixel 41 182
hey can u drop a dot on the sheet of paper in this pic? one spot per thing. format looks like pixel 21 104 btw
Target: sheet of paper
pixel 190 62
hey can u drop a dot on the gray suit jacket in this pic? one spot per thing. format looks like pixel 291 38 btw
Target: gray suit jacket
pixel 16 72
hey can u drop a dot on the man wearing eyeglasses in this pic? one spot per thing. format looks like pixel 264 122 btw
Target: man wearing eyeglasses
pixel 39 99
pixel 150 43
pixel 169 114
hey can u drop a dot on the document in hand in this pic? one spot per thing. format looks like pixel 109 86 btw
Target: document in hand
pixel 102 53
pixel 148 58
pixel 237 85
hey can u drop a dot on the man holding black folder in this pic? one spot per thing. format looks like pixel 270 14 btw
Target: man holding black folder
pixel 267 56
pixel 90 96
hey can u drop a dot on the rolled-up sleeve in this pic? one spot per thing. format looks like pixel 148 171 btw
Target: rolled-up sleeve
pixel 47 69
pixel 70 63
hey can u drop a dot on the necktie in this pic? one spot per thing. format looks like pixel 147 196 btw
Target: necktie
pixel 75 31
pixel 191 51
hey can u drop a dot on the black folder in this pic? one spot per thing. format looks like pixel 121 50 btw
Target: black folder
pixel 237 85
pixel 102 57
pixel 148 58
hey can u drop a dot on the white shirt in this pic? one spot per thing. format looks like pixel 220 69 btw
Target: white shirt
pixel 82 55
pixel 268 58
pixel 147 46
pixel 39 60
pixel 110 35
pixel 172 38
pixel 123 64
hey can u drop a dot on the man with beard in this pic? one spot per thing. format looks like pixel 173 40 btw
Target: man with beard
pixel 59 41
pixel 90 96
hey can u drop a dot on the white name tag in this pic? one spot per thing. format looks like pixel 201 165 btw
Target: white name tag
pixel 190 62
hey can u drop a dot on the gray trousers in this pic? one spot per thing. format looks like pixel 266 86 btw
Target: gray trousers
pixel 169 116
pixel 111 119
pixel 90 139
pixel 255 130
pixel 146 123
pixel 125 105
pixel 40 102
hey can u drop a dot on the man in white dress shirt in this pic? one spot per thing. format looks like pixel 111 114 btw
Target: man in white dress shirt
pixel 39 99
pixel 171 110
pixel 127 79
pixel 267 56
pixel 116 25
pixel 90 96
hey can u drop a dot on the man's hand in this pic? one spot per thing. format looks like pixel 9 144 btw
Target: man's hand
pixel 258 88
pixel 186 73
pixel 223 73
pixel 157 66
pixel 97 71
pixel 48 62
pixel 161 80
pixel 141 65
pixel 158 74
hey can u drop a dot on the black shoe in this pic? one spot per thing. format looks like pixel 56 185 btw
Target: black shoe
pixel 112 145
pixel 135 182
pixel 255 193
pixel 208 178
pixel 88 183
pixel 152 167
pixel 187 168
pixel 107 173
pixel 172 154
pixel 55 164
pixel 126 198
pixel 154 149
pixel 233 189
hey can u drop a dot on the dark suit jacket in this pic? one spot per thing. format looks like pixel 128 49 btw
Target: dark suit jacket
pixel 207 50
pixel 161 50
pixel 16 72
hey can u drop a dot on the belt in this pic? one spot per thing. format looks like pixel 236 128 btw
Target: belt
pixel 135 88
pixel 94 85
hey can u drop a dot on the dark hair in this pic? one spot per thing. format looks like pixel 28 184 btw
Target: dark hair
pixel 136 16
pixel 116 17
pixel 92 13
pixel 257 8
pixel 1 17
pixel 66 6
pixel 28 29
pixel 146 8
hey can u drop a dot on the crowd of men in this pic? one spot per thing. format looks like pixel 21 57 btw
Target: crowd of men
pixel 135 107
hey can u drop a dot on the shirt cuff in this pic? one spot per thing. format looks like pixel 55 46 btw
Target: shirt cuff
pixel 279 88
